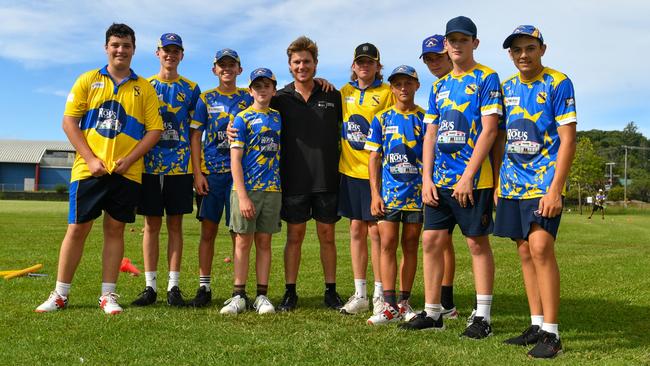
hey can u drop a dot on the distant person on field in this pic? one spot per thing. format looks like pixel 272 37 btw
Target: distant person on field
pixel 112 119
pixel 599 204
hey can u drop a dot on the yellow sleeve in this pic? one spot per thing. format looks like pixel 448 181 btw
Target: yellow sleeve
pixel 77 103
pixel 152 119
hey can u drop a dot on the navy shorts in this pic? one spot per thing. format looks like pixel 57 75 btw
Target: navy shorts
pixel 171 194
pixel 299 208
pixel 516 217
pixel 473 220
pixel 405 217
pixel 354 198
pixel 211 207
pixel 113 193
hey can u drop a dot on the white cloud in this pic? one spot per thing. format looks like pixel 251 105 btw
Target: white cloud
pixel 51 91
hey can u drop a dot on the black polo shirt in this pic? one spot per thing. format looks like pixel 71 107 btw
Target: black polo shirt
pixel 309 155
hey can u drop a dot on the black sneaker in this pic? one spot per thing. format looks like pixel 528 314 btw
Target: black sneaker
pixel 289 301
pixel 548 346
pixel 146 297
pixel 528 337
pixel 202 298
pixel 479 329
pixel 332 300
pixel 174 297
pixel 421 322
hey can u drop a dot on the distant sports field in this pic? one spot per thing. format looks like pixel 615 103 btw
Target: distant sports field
pixel 604 315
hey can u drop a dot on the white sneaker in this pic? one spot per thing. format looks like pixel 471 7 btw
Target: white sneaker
pixel 449 313
pixel 406 310
pixel 263 305
pixel 377 304
pixel 108 303
pixel 53 303
pixel 355 305
pixel 234 305
pixel 470 318
pixel 387 315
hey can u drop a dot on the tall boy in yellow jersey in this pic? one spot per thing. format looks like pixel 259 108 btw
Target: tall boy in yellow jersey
pixel 541 142
pixel 111 118
pixel 464 109
pixel 361 98
pixel 167 179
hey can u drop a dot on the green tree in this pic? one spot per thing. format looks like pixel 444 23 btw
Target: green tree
pixel 587 168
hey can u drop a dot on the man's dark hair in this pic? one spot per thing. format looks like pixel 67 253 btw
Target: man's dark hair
pixel 120 30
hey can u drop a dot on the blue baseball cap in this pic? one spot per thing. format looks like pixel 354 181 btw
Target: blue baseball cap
pixel 262 72
pixel 404 70
pixel 523 30
pixel 226 52
pixel 433 44
pixel 169 39
pixel 462 25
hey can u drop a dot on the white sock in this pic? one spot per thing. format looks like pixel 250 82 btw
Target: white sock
pixel 62 289
pixel 205 281
pixel 483 305
pixel 173 279
pixel 433 310
pixel 537 320
pixel 108 287
pixel 360 288
pixel 379 290
pixel 150 280
pixel 551 328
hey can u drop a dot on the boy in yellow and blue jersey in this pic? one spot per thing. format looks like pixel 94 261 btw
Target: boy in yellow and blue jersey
pixel 256 198
pixel 361 98
pixel 395 169
pixel 541 141
pixel 111 118
pixel 215 109
pixel 464 110
pixel 167 178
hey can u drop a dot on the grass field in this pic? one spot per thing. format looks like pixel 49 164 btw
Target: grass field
pixel 605 304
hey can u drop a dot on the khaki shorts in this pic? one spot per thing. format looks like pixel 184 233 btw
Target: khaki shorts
pixel 267 213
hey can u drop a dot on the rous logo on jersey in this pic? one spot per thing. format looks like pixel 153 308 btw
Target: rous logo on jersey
pixel 452 132
pixel 402 163
pixel 223 145
pixel 269 143
pixel 524 140
pixel 170 136
pixel 111 118
pixel 356 131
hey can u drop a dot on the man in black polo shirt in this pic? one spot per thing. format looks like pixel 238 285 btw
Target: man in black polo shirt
pixel 308 167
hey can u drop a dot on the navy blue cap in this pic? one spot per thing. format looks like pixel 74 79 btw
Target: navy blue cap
pixel 404 70
pixel 226 52
pixel 523 30
pixel 262 72
pixel 433 44
pixel 168 39
pixel 462 25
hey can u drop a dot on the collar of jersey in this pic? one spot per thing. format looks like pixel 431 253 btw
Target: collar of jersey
pixel 460 76
pixel 172 81
pixel 104 71
pixel 226 93
pixel 538 77
pixel 265 110
pixel 376 83
pixel 415 111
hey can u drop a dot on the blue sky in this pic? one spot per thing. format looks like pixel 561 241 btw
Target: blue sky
pixel 45 45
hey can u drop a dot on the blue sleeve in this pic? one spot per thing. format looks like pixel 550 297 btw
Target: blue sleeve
pixel 374 140
pixel 564 103
pixel 432 113
pixel 240 125
pixel 490 98
pixel 200 115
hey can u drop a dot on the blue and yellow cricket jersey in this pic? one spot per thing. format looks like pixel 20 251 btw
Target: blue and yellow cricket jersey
pixel 399 137
pixel 171 155
pixel 259 136
pixel 214 110
pixel 534 111
pixel 456 104
pixel 114 118
pixel 359 108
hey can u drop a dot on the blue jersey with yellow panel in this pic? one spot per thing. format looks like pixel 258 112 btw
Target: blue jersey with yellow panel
pixel 171 155
pixel 259 135
pixel 534 111
pixel 456 105
pixel 113 118
pixel 359 108
pixel 398 137
pixel 214 111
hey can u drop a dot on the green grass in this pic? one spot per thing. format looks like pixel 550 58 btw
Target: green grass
pixel 605 304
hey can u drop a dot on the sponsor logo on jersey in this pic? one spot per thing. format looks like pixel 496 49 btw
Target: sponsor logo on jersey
pixel 470 89
pixel 569 102
pixel 495 94
pixel 356 131
pixel 402 163
pixel 216 109
pixel 375 99
pixel 524 140
pixel 324 104
pixel 392 129
pixel 256 121
pixel 511 101
pixel 97 85
pixel 349 99
pixel 180 97
pixel 442 95
pixel 136 91
pixel 108 122
pixel 541 97
pixel 70 98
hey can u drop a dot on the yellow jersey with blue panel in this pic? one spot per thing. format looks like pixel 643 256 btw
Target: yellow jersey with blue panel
pixel 456 105
pixel 534 110
pixel 398 137
pixel 259 135
pixel 214 111
pixel 114 118
pixel 171 155
pixel 359 108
